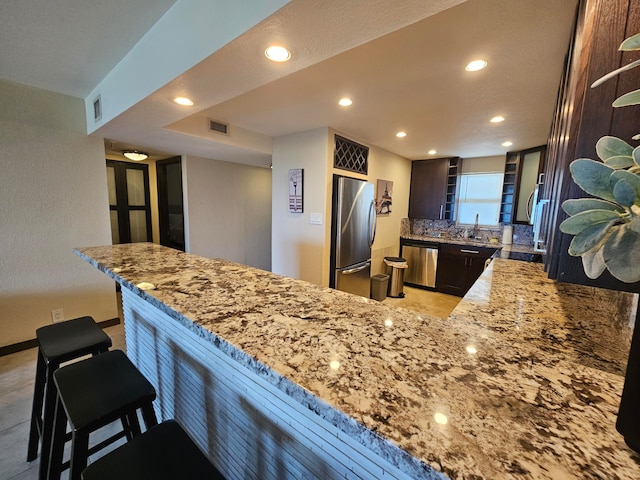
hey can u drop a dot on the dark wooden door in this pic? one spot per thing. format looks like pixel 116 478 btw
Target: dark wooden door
pixel 428 188
pixel 170 203
pixel 451 275
pixel 459 266
pixel 129 202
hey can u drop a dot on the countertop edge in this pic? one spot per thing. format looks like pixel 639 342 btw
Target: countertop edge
pixel 370 439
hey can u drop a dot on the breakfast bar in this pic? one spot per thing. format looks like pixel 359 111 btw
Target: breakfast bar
pixel 278 378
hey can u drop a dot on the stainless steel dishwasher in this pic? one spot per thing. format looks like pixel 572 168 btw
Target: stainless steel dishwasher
pixel 422 261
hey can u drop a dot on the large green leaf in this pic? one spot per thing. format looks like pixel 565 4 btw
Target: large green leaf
pixel 593 177
pixel 593 262
pixel 625 193
pixel 609 146
pixel 622 255
pixel 636 153
pixel 589 238
pixel 631 98
pixel 619 162
pixel 577 223
pixel 577 205
pixel 618 71
pixel 631 178
pixel 631 43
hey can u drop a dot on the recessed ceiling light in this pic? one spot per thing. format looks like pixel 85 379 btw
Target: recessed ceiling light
pixel 345 102
pixel 507 143
pixel 187 102
pixel 401 134
pixel 475 65
pixel 497 119
pixel 135 155
pixel 432 152
pixel 276 53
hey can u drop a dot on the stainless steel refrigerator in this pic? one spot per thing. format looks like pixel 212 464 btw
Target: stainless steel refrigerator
pixel 353 229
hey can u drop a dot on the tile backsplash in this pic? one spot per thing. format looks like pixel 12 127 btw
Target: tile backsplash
pixel 522 234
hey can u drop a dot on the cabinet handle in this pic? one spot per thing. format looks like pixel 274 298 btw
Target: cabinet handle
pixel 441 208
pixel 462 250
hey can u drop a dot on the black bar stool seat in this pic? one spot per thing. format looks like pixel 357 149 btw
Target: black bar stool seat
pixel 91 394
pixel 58 343
pixel 164 452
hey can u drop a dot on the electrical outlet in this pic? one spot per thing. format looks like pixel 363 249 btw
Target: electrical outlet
pixel 57 315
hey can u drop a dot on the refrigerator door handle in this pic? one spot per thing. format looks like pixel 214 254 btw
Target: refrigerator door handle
pixel 373 222
pixel 356 269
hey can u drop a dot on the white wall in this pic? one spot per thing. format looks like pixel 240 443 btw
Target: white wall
pixel 298 247
pixel 189 32
pixel 53 192
pixel 227 211
pixel 301 250
pixel 483 164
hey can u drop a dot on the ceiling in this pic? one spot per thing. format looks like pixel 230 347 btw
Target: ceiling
pixel 402 72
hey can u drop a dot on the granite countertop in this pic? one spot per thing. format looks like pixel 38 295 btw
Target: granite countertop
pixel 470 241
pixel 522 381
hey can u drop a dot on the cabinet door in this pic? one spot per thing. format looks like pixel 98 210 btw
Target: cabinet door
pixel 459 266
pixel 428 188
pixel 451 275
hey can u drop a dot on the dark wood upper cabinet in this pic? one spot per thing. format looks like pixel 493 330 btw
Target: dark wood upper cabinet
pixel 585 114
pixel 433 185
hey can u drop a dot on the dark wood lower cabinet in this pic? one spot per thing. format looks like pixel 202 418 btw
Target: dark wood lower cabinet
pixel 459 266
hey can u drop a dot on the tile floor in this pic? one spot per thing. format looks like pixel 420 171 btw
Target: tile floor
pixel 425 301
pixel 17 373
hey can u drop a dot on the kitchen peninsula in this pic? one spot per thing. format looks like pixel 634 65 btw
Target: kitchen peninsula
pixel 278 378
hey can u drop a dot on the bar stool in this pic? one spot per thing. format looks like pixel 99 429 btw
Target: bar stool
pixel 58 343
pixel 164 452
pixel 91 394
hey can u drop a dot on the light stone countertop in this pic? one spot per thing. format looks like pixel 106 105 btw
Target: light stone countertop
pixel 470 241
pixel 526 372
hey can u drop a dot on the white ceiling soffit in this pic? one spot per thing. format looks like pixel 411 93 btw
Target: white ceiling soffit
pixel 68 46
pixel 414 80
pixel 315 30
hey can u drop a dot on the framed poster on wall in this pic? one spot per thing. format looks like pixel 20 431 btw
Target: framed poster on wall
pixel 295 190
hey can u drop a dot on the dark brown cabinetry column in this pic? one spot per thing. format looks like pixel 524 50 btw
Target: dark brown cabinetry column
pixel 585 114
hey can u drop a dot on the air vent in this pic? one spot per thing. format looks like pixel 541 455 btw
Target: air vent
pixel 218 127
pixel 97 109
pixel 351 156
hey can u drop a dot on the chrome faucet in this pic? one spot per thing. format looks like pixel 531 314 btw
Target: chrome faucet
pixel 475 227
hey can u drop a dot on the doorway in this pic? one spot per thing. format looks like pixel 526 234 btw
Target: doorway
pixel 170 206
pixel 129 202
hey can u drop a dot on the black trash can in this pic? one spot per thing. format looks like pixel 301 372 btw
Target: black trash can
pixel 395 270
pixel 379 287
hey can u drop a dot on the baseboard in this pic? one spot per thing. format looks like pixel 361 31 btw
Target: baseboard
pixel 27 344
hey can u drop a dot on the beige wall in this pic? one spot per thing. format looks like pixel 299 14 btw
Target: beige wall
pixel 227 211
pixel 53 193
pixel 298 248
pixel 301 250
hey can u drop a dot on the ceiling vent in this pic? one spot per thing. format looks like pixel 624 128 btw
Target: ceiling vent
pixel 97 109
pixel 218 127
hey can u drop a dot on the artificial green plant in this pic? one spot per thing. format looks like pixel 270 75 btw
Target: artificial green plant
pixel 606 229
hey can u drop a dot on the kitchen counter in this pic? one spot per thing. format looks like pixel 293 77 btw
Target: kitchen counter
pixel 469 241
pixel 522 381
